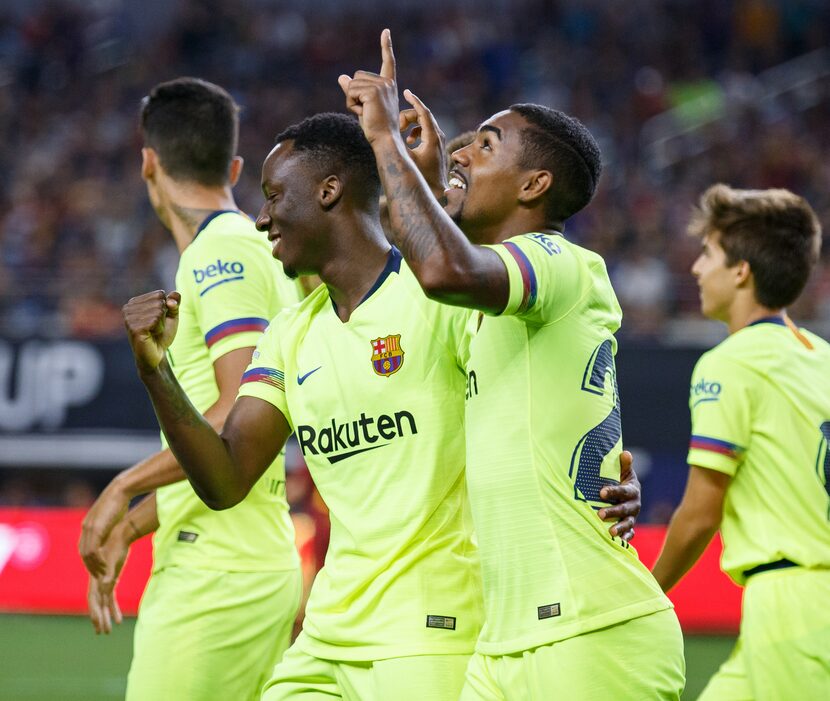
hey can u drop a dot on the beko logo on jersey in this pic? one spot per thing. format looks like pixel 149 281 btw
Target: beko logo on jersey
pixel 705 391
pixel 218 269
pixel 546 242
pixel 329 441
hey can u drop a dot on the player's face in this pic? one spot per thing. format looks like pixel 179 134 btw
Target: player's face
pixel 287 215
pixel 485 177
pixel 716 279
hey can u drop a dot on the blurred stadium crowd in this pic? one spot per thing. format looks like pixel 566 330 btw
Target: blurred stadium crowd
pixel 678 92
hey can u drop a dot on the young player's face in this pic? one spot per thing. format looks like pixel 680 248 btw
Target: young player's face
pixel 286 214
pixel 716 280
pixel 485 176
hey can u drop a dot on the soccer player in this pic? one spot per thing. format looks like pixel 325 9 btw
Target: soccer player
pixel 759 460
pixel 367 373
pixel 562 597
pixel 219 607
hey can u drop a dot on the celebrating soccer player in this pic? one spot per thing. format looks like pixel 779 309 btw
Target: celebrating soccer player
pixel 759 459
pixel 219 607
pixel 570 612
pixel 368 372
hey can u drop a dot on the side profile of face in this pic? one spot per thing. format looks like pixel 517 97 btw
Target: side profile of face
pixel 485 177
pixel 718 282
pixel 290 212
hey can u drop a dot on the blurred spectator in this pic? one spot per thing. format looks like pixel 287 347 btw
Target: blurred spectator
pixel 77 239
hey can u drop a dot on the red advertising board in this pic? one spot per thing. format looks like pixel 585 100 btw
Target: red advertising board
pixel 40 571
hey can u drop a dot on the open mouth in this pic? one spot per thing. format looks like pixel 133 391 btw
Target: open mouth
pixel 457 181
pixel 274 237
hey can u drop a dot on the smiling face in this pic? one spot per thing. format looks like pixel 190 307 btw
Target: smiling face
pixel 289 215
pixel 718 281
pixel 486 178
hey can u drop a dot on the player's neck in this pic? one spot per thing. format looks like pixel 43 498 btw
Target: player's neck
pixel 520 221
pixel 187 206
pixel 745 311
pixel 354 266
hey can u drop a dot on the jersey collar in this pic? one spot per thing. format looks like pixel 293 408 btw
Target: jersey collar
pixel 393 265
pixel 775 319
pixel 210 217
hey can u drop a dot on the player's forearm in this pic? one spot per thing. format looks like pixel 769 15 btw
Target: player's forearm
pixel 200 450
pixel 141 520
pixel 440 256
pixel 686 539
pixel 156 471
pixel 162 468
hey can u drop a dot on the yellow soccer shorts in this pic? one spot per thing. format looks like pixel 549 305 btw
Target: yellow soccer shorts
pixel 783 651
pixel 303 677
pixel 639 659
pixel 205 635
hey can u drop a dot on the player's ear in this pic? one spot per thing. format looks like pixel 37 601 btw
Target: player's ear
pixel 149 163
pixel 743 273
pixel 329 192
pixel 236 170
pixel 535 185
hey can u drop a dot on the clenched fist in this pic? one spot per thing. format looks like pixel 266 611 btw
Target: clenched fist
pixel 151 322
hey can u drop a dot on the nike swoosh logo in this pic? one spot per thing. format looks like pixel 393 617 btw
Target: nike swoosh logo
pixel 303 378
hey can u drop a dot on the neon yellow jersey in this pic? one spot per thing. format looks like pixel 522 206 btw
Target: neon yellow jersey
pixel 377 407
pixel 230 286
pixel 760 405
pixel 543 437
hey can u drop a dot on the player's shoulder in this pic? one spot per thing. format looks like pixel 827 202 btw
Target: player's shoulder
pixel 228 245
pixel 555 250
pixel 305 309
pixel 227 231
pixel 818 343
pixel 537 244
pixel 737 354
pixel 436 314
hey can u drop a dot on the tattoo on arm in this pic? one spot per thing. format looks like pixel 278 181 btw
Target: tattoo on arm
pixel 414 215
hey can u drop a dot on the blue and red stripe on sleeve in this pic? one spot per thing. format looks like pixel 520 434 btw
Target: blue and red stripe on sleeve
pixel 714 445
pixel 528 276
pixel 234 326
pixel 268 376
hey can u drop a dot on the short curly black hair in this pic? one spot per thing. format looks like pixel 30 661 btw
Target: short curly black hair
pixel 563 145
pixel 193 125
pixel 335 143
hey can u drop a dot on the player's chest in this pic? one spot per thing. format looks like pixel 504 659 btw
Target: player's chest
pixel 498 349
pixel 367 362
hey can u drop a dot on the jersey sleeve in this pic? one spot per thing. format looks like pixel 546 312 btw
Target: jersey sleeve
pixel 264 378
pixel 720 402
pixel 229 287
pixel 545 277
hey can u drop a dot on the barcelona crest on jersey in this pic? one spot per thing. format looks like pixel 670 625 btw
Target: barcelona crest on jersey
pixel 387 355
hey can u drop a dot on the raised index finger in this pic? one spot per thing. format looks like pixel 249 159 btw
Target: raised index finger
pixel 387 67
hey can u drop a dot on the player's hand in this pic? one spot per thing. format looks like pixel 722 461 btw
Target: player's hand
pixel 430 154
pixel 151 322
pixel 108 510
pixel 373 97
pixel 103 606
pixel 626 496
